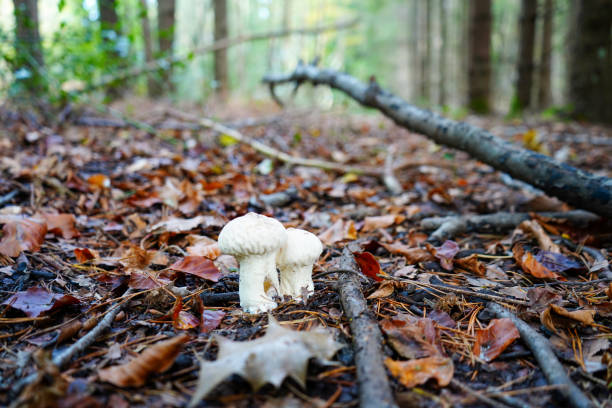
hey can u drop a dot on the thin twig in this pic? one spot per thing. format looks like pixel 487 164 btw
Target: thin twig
pixel 479 396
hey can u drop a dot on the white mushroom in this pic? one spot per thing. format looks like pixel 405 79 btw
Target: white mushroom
pixel 295 261
pixel 255 241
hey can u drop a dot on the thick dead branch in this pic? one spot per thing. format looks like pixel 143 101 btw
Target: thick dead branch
pixel 551 367
pixel 213 299
pixel 165 63
pixel 574 186
pixel 374 388
pixel 450 227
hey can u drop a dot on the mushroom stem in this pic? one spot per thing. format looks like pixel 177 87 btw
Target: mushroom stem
pixel 254 269
pixel 295 278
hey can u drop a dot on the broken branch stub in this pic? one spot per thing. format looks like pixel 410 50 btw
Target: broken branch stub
pixel 576 187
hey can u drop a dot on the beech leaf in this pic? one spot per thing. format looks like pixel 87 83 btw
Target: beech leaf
pixel 198 266
pixel 414 372
pixel 21 234
pixel 36 301
pixel 280 353
pixel 413 254
pixel 495 338
pixel 368 264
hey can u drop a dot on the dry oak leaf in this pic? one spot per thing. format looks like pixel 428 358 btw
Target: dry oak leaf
pixel 280 353
pixel 415 372
pixel 413 255
pixel 556 316
pixel 155 359
pixel 341 230
pixel 495 338
pixel 21 234
pixel 381 221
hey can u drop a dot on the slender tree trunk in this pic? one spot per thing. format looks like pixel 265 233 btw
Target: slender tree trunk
pixel 165 34
pixel 108 15
pixel 111 31
pixel 221 32
pixel 426 57
pixel 442 56
pixel 479 63
pixel 590 68
pixel 152 84
pixel 544 90
pixel 525 58
pixel 28 47
pixel 415 73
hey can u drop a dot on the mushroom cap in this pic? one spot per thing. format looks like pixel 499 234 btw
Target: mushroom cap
pixel 252 234
pixel 302 248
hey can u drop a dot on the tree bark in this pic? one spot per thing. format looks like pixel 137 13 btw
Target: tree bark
pixel 152 84
pixel 576 187
pixel 479 62
pixel 165 34
pixel 544 94
pixel 525 57
pixel 442 53
pixel 110 31
pixel 590 68
pixel 221 32
pixel 28 47
pixel 426 58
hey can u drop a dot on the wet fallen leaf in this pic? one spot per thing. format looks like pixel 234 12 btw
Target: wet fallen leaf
pixel 412 255
pixel 555 317
pixel 211 319
pixel 415 372
pixel 21 234
pixel 280 353
pixel 198 266
pixel 36 301
pixel 62 225
pixel 495 338
pixel 382 221
pixel 368 264
pixel 531 265
pixel 341 230
pixel 155 359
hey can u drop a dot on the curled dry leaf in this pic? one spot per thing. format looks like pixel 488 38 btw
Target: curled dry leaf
pixel 21 234
pixel 341 230
pixel 445 253
pixel 415 372
pixel 555 317
pixel 368 264
pixel 531 265
pixel 155 359
pixel 385 289
pixel 85 254
pixel 280 353
pixel 36 301
pixel 382 221
pixel 198 266
pixel 472 264
pixel 495 338
pixel 544 240
pixel 412 254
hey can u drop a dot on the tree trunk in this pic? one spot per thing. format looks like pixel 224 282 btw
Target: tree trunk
pixel 221 32
pixel 108 15
pixel 479 63
pixel 426 56
pixel 544 93
pixel 525 57
pixel 165 34
pixel 590 68
pixel 576 187
pixel 29 56
pixel 442 56
pixel 152 84
pixel 414 74
pixel 110 32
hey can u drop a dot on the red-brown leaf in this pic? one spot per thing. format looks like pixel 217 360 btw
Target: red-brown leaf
pixel 198 266
pixel 368 264
pixel 415 372
pixel 21 234
pixel 495 338
pixel 181 319
pixel 531 265
pixel 413 254
pixel 36 301
pixel 61 225
pixel 211 319
pixel 85 254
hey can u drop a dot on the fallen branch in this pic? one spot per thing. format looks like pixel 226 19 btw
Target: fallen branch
pixel 478 395
pixel 63 358
pixel 551 367
pixel 576 187
pixel 374 388
pixel 213 299
pixel 165 63
pixel 450 227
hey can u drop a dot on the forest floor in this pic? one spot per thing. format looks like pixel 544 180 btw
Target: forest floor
pixel 89 212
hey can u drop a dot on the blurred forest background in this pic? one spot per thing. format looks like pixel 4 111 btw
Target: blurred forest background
pixel 499 56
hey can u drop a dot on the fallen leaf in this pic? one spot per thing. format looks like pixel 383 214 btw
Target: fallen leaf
pixel 556 316
pixel 415 372
pixel 62 225
pixel 98 182
pixel 36 301
pixel 472 264
pixel 21 234
pixel 495 338
pixel 412 255
pixel 516 292
pixel 412 337
pixel 368 264
pixel 557 263
pixel 445 253
pixel 144 281
pixel 341 230
pixel 179 225
pixel 181 319
pixel 382 221
pixel 531 265
pixel 609 291
pixel 442 318
pixel 85 254
pixel 198 266
pixel 155 359
pixel 280 353
pixel 203 246
pixel 385 289
pixel 544 240
pixel 211 319
pixel 540 298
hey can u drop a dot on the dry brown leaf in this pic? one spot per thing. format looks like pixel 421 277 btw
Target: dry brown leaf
pixel 21 234
pixel 555 317
pixel 155 359
pixel 413 255
pixel 544 240
pixel 341 230
pixel 203 246
pixel 280 353
pixel 415 372
pixel 495 338
pixel 385 289
pixel 471 264
pixel 412 337
pixel 179 225
pixel 531 265
pixel 61 225
pixel 382 221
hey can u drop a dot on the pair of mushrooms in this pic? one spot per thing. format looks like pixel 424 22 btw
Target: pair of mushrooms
pixel 261 244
